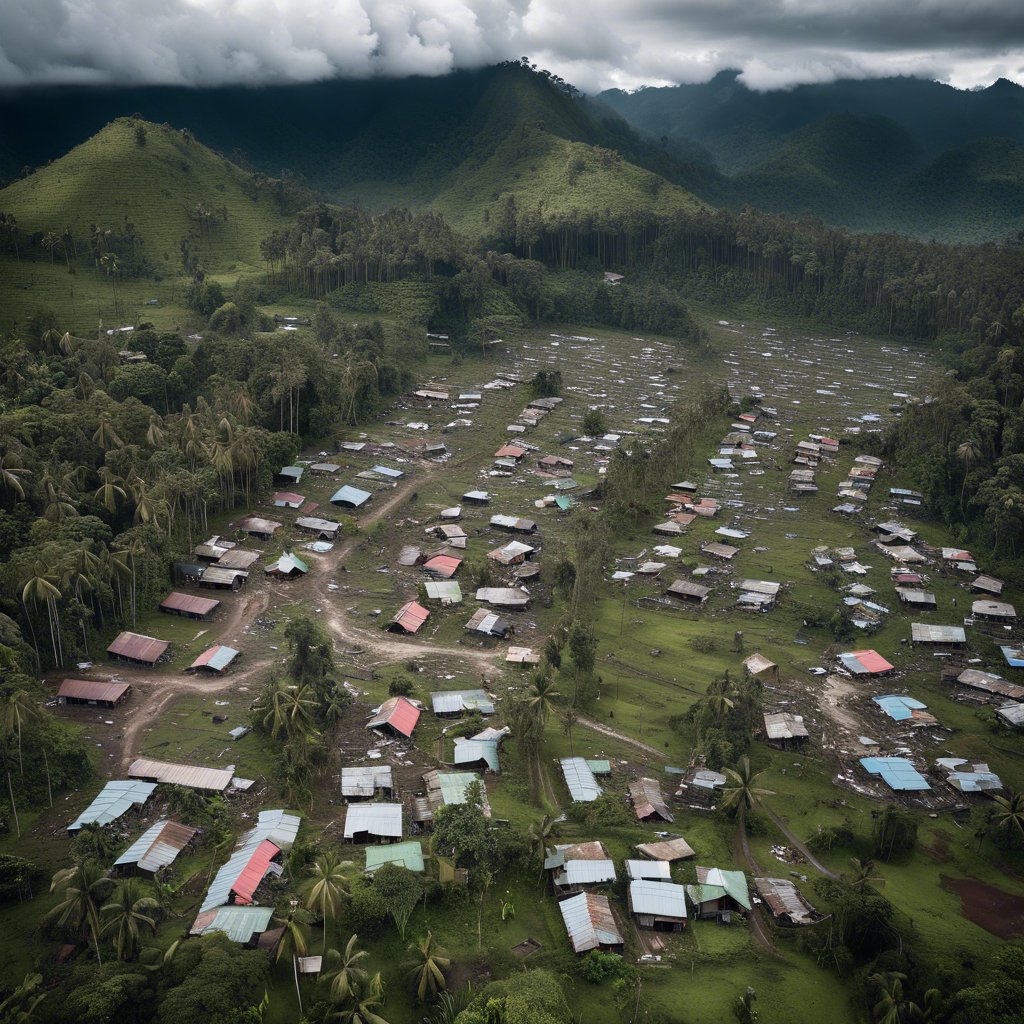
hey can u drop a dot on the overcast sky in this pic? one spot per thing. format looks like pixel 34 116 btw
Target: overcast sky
pixel 592 43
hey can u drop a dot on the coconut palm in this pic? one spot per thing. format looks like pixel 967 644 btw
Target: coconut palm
pixel 82 888
pixel 743 794
pixel 287 709
pixel 343 973
pixel 863 876
pixel 41 588
pixel 155 432
pixel 361 1007
pixel 893 1005
pixel 425 969
pixel 16 708
pixel 110 491
pixel 127 914
pixel 294 941
pixel 106 436
pixel 11 471
pixel 540 834
pixel 968 453
pixel 541 697
pixel 1008 816
pixel 326 887
pixel 59 488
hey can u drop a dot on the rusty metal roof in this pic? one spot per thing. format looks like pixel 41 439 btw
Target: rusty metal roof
pixel 647 799
pixel 93 689
pixel 176 602
pixel 192 776
pixel 137 647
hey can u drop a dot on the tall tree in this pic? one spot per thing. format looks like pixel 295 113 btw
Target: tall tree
pixel 426 967
pixel 326 888
pixel 82 889
pixel 128 912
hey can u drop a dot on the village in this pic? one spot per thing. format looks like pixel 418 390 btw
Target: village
pixel 425 547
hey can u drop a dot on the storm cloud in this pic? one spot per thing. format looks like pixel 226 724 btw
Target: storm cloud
pixel 592 43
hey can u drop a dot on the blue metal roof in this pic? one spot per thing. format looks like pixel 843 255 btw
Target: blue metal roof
pixel 394 474
pixel 349 495
pixel 1014 656
pixel 112 801
pixel 897 772
pixel 471 751
pixel 239 923
pixel 899 708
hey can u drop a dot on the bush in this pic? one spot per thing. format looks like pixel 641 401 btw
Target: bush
pixel 596 967
pixel 400 687
pixel 594 424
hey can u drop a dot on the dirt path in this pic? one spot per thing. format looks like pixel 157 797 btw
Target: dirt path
pixel 758 927
pixel 798 845
pixel 589 723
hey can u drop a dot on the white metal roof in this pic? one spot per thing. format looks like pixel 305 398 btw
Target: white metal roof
pixel 660 899
pixel 376 819
pixel 112 801
pixel 192 776
pixel 650 869
pixel 583 787
pixel 365 780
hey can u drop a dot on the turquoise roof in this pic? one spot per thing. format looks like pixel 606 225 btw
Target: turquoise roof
pixel 406 855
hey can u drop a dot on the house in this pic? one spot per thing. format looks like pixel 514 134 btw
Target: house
pixel 590 923
pixel 555 464
pixel 760 667
pixel 444 566
pixel 223 579
pixel 960 559
pixel 612 278
pixel 454 702
pixel 994 611
pixel 213 549
pixel 489 624
pixel 658 905
pixel 248 926
pixel 409 618
pixel 288 475
pixel 785 902
pixel 668 529
pixel 188 573
pixel 373 822
pixel 784 730
pixel 453 535
pixel 114 800
pixel 891 532
pixel 699 785
pixel 513 553
pixel 652 870
pixel 444 788
pixel 1014 656
pixel 476 498
pixel 366 782
pixel 94 692
pixel 288 567
pixel 865 663
pixel 215 780
pixel 156 848
pixel 214 659
pixel 987 585
pixel 188 606
pixel 719 893
pixel 942 636
pixel 908 710
pixel 723 551
pixel 430 395
pixel 968 778
pixel 237 559
pixel 897 773
pixel 504 597
pixel 257 527
pixel 137 649
pixel 579 779
pixel 325 529
pixel 917 598
pixel 522 656
pixel 397 715
pixel 1012 714
pixel 408 855
pixel 577 866
pixel 665 852
pixel 348 496
pixel 288 499
pixel 388 473
pixel 758 595
pixel 479 754
pixel 648 802
pixel 448 592
pixel 510 451
pixel 326 468
pixel 687 591
pixel 990 683
pixel 513 524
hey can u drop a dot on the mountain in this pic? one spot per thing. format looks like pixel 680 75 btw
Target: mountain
pixel 456 142
pixel 164 184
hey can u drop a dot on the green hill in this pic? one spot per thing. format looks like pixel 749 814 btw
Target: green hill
pixel 153 178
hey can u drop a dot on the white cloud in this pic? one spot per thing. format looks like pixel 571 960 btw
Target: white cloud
pixel 593 43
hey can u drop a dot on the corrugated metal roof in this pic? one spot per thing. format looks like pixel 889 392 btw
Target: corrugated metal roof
pixel 112 801
pixel 289 499
pixel 292 472
pixel 325 467
pixel 218 574
pixel 926 633
pixel 256 524
pixel 513 523
pixel 351 496
pixel 365 780
pixel 583 787
pixel 586 872
pixel 450 702
pixel 93 689
pixel 989 682
pixel 994 609
pixel 589 921
pixel 317 525
pixel 398 713
pixel 897 772
pixel 503 597
pixel 407 855
pixel 453 786
pixel 784 726
pixel 157 846
pixel 1012 714
pixel 648 800
pixel 1014 656
pixel 288 564
pixel 868 662
pixel 240 924
pixel 658 899
pixel 176 602
pixel 391 474
pixel 411 616
pixel 758 663
pixel 766 587
pixel 785 900
pixel 684 588
pixel 599 765
pixel 384 820
pixel 445 591
pixel 989 584
pixel 898 707
pixel 192 776
pixel 238 559
pixel 136 647
pixel 487 622
pixel 653 869
pixel 217 658
pixel 443 565
pixel 511 551
pixel 714 883
pixel 470 751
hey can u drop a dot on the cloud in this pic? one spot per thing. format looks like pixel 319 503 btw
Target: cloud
pixel 593 43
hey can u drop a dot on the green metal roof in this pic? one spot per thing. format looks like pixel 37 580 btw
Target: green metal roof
pixel 599 767
pixel 406 855
pixel 454 785
pixel 239 923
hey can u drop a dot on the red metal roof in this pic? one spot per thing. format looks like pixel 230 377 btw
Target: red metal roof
pixel 93 689
pixel 176 602
pixel 443 565
pixel 401 714
pixel 510 451
pixel 252 874
pixel 138 647
pixel 411 616
pixel 872 661
pixel 290 497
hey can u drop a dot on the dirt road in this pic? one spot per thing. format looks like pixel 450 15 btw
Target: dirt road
pixel 589 723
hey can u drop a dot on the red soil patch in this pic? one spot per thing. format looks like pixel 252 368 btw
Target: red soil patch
pixel 998 912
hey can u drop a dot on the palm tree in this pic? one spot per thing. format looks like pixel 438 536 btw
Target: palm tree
pixel 127 911
pixel 110 490
pixel 893 1006
pixel 426 968
pixel 743 794
pixel 41 588
pixel 288 709
pixel 83 888
pixel 344 975
pixel 16 708
pixel 863 876
pixel 968 453
pixel 21 1005
pixel 1008 816
pixel 294 941
pixel 327 884
pixel 361 1007
pixel 106 436
pixel 541 697
pixel 10 471
pixel 540 834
